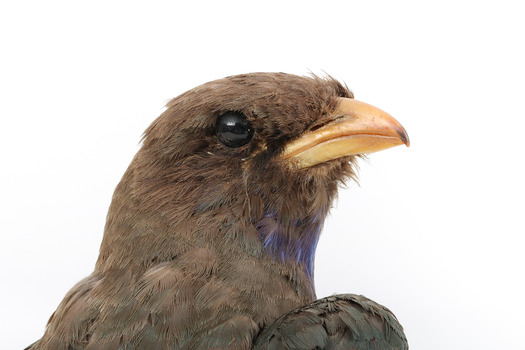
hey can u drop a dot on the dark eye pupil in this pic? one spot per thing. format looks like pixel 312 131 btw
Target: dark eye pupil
pixel 234 130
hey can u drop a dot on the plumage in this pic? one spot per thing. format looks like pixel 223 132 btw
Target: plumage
pixel 206 245
pixel 338 322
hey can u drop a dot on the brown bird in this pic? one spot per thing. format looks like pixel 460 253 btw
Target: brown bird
pixel 211 234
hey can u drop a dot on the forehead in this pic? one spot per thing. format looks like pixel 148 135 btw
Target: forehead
pixel 260 95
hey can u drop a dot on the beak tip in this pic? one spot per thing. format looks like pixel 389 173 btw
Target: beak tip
pixel 403 136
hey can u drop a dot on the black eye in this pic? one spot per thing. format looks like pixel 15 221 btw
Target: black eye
pixel 234 130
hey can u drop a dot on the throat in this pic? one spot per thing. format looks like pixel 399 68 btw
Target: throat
pixel 291 241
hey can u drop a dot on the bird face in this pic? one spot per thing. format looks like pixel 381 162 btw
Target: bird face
pixel 253 159
pixel 262 135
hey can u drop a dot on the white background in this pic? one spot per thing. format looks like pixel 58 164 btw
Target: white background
pixel 434 231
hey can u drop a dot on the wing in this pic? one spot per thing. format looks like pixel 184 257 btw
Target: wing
pixel 345 321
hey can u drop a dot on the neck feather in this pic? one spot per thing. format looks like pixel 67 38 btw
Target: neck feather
pixel 293 240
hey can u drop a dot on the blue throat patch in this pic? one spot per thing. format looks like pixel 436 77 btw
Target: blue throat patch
pixel 295 241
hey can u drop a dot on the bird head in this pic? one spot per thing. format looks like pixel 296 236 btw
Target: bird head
pixel 247 163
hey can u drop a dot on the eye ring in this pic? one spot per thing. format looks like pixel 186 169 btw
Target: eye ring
pixel 233 130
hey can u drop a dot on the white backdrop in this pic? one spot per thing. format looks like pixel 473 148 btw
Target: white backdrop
pixel 434 232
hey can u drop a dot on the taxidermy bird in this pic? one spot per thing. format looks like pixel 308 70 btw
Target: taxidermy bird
pixel 210 238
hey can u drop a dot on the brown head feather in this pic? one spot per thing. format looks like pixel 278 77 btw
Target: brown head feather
pixel 183 179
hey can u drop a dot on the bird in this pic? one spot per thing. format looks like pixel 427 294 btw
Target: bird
pixel 210 237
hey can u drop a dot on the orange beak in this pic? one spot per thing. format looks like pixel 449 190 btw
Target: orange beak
pixel 357 128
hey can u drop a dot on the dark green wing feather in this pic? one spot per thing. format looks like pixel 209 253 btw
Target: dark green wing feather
pixel 344 321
